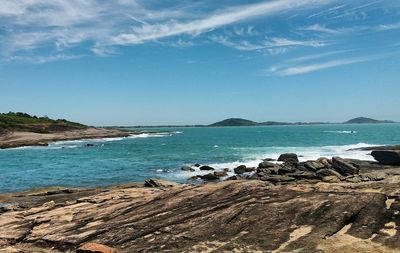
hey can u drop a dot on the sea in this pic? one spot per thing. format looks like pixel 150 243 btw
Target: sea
pixel 162 153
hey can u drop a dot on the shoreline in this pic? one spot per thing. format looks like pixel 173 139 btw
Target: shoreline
pixel 18 139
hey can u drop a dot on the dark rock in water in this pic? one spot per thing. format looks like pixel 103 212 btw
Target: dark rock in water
pixel 193 177
pixel 226 170
pixel 205 167
pixel 289 158
pixel 153 182
pixel 187 168
pixel 220 173
pixel 209 177
pixel 216 175
pixel 243 169
pixel 269 160
pixel 313 165
pixel 327 172
pixel 344 167
pixel 266 164
pixel 387 157
pixel 197 165
pixel 88 145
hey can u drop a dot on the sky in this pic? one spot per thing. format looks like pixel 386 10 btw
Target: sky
pixel 148 62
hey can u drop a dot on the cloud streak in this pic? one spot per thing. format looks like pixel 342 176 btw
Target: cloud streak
pixel 231 16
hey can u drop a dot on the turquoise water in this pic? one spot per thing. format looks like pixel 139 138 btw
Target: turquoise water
pixel 161 155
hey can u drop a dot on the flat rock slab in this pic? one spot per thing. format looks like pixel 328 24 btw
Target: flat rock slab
pixel 232 216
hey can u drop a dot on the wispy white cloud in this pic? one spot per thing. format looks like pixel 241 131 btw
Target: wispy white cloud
pixel 226 17
pixel 388 27
pixel 312 67
pixel 270 45
pixel 317 56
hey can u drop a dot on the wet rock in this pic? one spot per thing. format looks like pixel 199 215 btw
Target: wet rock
pixel 387 157
pixel 197 165
pixel 243 169
pixel 89 145
pixel 266 164
pixel 95 248
pixel 226 170
pixel 289 158
pixel 206 167
pixel 344 167
pixel 187 168
pixel 153 182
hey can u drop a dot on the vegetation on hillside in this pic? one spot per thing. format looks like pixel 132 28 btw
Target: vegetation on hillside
pixel 19 121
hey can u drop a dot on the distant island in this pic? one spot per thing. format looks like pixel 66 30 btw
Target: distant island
pixel 245 122
pixel 363 120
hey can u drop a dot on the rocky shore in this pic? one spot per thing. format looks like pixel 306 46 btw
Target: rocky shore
pixel 13 139
pixel 326 205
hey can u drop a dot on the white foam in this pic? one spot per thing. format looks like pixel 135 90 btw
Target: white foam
pixel 341 132
pixel 150 135
pixel 305 153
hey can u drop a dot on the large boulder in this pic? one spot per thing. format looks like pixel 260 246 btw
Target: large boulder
pixel 387 157
pixel 314 165
pixel 266 164
pixel 288 158
pixel 243 169
pixel 187 168
pixel 344 167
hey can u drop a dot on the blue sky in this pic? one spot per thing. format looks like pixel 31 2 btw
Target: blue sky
pixel 130 62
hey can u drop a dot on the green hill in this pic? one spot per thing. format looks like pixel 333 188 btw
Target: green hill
pixel 234 122
pixel 18 121
pixel 363 120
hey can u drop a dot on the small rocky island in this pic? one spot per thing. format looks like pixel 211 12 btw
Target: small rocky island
pixel 326 205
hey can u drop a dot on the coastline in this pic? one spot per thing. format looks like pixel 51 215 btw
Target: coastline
pixel 161 216
pixel 17 139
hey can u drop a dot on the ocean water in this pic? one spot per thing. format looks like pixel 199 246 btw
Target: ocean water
pixel 136 158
